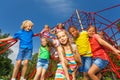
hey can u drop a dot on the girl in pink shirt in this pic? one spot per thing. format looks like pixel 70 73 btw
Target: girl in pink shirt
pixel 100 59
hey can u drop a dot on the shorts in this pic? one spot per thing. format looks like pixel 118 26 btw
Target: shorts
pixel 24 54
pixel 86 64
pixel 100 63
pixel 43 63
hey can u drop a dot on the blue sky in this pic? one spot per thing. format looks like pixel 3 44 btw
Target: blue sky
pixel 51 12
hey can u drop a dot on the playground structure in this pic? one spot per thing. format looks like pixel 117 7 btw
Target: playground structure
pixel 82 19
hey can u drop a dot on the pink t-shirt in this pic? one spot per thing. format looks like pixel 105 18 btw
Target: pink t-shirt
pixel 97 50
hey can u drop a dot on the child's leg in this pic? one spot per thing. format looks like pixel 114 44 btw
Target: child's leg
pixel 98 64
pixel 37 75
pixel 24 69
pixel 43 74
pixel 74 75
pixel 16 68
pixel 44 68
pixel 87 62
pixel 92 72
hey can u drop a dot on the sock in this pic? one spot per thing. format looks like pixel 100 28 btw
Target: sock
pixel 21 78
pixel 13 79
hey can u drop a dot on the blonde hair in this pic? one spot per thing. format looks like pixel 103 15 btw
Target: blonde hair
pixel 25 24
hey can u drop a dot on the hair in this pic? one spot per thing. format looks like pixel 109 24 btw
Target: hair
pixel 25 24
pixel 91 26
pixel 62 31
pixel 62 25
pixel 46 26
pixel 49 44
pixel 71 27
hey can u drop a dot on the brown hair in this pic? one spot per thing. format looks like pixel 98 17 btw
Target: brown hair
pixel 71 27
pixel 91 26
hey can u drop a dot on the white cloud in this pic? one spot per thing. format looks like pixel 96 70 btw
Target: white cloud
pixel 15 49
pixel 57 6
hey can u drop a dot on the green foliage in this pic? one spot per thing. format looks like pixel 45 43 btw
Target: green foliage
pixel 5 63
pixel 6 66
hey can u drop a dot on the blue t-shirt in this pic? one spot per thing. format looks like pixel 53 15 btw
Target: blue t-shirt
pixel 25 38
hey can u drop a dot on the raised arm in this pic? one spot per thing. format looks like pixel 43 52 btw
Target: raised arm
pixel 106 44
pixel 6 39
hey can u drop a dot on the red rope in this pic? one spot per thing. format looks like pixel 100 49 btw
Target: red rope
pixel 7 45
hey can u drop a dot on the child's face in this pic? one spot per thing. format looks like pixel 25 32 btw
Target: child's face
pixel 60 26
pixel 43 42
pixel 91 31
pixel 74 32
pixel 62 37
pixel 47 27
pixel 28 27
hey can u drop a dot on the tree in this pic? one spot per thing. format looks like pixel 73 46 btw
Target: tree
pixel 5 63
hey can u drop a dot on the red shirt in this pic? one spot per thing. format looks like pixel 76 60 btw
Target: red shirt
pixel 97 50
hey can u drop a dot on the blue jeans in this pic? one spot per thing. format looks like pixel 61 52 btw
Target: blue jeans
pixel 24 54
pixel 100 63
pixel 44 63
pixel 86 64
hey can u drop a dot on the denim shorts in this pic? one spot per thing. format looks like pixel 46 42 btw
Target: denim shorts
pixel 100 63
pixel 24 54
pixel 43 63
pixel 86 64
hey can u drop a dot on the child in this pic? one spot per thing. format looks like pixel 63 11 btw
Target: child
pixel 83 45
pixel 43 60
pixel 58 28
pixel 46 32
pixel 67 64
pixel 100 59
pixel 25 51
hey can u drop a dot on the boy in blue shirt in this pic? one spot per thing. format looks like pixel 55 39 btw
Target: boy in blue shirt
pixel 25 48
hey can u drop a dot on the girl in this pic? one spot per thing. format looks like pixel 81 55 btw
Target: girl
pixel 25 52
pixel 43 60
pixel 58 28
pixel 67 64
pixel 46 32
pixel 100 59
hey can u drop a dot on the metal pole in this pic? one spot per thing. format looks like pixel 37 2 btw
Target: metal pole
pixel 79 19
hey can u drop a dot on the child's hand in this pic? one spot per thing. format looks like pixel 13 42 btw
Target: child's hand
pixel 117 52
pixel 51 37
pixel 66 62
pixel 0 41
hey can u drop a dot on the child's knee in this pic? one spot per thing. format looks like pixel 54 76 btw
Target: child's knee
pixel 90 73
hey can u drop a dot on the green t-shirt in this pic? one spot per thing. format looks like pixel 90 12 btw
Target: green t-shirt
pixel 44 53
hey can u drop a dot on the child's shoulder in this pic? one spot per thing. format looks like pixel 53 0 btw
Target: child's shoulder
pixel 83 32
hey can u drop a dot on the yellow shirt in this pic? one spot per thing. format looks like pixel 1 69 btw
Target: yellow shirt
pixel 83 44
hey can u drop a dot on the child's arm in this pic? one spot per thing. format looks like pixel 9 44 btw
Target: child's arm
pixel 63 61
pixel 6 39
pixel 106 44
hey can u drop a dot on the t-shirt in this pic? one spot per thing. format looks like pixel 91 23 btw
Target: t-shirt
pixel 44 53
pixel 83 44
pixel 25 38
pixel 97 50
pixel 45 33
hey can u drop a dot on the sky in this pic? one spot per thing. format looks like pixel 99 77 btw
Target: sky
pixel 51 12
